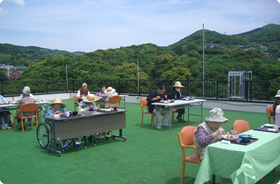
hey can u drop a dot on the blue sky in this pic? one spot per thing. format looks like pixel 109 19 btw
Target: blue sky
pixel 88 25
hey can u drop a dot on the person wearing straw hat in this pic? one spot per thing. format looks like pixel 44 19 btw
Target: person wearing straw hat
pixel 156 96
pixel 59 108
pixel 88 103
pixel 109 92
pixel 175 94
pixel 209 131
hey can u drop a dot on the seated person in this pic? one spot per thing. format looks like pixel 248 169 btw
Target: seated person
pixel 156 96
pixel 277 101
pixel 109 92
pixel 174 94
pixel 88 103
pixel 59 108
pixel 102 95
pixel 25 99
pixel 4 115
pixel 30 95
pixel 82 92
pixel 209 132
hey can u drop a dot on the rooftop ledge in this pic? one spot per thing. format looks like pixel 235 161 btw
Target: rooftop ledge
pixel 225 105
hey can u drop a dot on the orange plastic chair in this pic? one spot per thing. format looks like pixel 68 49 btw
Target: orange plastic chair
pixel 240 126
pixel 115 99
pixel 185 137
pixel 75 99
pixel 27 107
pixel 269 112
pixel 145 110
pixel 173 112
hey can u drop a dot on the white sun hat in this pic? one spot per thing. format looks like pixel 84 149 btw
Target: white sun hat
pixel 216 115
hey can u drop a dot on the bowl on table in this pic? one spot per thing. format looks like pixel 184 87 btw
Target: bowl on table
pixel 245 137
pixel 229 137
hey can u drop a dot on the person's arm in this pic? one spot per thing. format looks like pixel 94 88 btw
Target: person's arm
pixel 78 94
pixel 152 97
pixel 202 138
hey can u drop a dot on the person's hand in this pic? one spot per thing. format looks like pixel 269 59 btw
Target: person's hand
pixel 57 112
pixel 157 97
pixel 83 94
pixel 219 132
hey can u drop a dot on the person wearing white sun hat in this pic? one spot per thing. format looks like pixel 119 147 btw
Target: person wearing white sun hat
pixel 276 108
pixel 109 92
pixel 209 131
pixel 175 94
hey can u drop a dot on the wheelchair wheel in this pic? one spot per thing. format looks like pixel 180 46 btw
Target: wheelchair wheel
pixel 43 135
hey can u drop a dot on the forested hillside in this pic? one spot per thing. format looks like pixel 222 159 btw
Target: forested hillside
pixel 25 56
pixel 181 60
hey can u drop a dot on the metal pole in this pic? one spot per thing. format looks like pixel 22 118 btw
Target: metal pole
pixel 66 78
pixel 138 75
pixel 203 60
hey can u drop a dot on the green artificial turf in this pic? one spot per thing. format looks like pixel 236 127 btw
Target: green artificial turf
pixel 148 156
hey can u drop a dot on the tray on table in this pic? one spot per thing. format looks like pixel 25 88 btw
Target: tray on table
pixel 239 141
pixel 266 129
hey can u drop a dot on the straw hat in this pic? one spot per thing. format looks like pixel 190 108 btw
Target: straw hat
pixel 91 98
pixel 278 94
pixel 216 115
pixel 109 90
pixel 57 101
pixel 178 84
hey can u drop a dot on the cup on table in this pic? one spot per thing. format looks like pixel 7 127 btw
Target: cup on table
pixel 67 114
pixel 233 132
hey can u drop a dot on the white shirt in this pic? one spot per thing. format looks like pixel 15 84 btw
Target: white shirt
pixel 107 99
pixel 277 115
pixel 30 95
pixel 79 95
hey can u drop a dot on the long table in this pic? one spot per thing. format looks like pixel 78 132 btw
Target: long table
pixel 241 163
pixel 13 106
pixel 179 104
pixel 87 124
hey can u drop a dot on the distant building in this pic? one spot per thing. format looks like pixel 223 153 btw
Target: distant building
pixel 264 47
pixel 213 45
pixel 267 54
pixel 15 74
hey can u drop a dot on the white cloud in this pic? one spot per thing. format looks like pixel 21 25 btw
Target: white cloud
pixel 278 1
pixel 1 1
pixel 19 2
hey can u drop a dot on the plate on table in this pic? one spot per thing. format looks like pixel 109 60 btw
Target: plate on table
pixel 229 137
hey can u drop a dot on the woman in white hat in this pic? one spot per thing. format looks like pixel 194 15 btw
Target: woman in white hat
pixel 88 103
pixel 175 94
pixel 109 92
pixel 276 108
pixel 209 131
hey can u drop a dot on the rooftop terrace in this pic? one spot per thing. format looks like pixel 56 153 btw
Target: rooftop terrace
pixel 149 156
